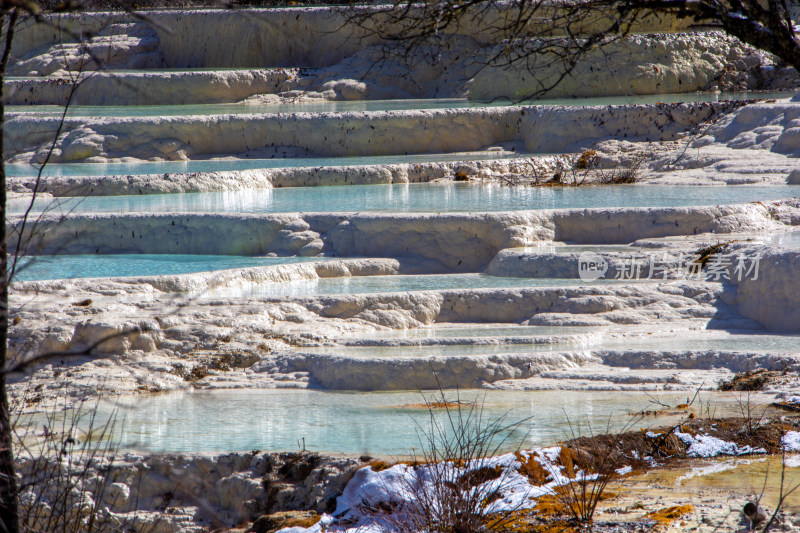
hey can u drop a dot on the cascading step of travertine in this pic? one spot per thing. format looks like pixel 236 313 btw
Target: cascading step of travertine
pixel 484 296
pixel 430 284
pixel 318 54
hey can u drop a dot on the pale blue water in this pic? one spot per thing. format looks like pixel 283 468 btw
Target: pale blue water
pixel 425 197
pixel 220 165
pixel 361 423
pixel 369 352
pixel 375 105
pixel 449 330
pixel 737 343
pixel 374 284
pixel 578 248
pixel 99 266
pixel 788 240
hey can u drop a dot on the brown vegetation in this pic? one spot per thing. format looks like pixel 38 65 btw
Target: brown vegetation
pixel 754 380
pixel 670 514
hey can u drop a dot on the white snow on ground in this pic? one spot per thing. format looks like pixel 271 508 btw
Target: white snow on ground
pixel 402 486
pixel 412 484
pixel 708 446
pixel 791 441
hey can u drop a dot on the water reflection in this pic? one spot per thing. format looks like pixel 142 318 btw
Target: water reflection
pixel 423 197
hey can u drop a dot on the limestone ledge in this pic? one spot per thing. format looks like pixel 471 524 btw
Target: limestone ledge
pixel 511 371
pixel 310 37
pixel 126 340
pixel 773 298
pixel 150 88
pixel 199 282
pixel 536 129
pixel 123 343
pixel 198 491
pixel 669 63
pixel 138 324
pixel 452 242
pixel 69 186
pixel 117 318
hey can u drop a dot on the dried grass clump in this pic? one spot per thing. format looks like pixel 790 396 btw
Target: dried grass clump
pixel 623 175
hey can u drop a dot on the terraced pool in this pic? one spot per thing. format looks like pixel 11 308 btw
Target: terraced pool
pixel 44 267
pixel 377 284
pixel 687 342
pixel 421 197
pixel 375 105
pixel 364 423
pixel 227 165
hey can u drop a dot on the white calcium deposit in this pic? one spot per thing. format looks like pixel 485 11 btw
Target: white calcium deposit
pixel 144 326
pixel 491 169
pixel 79 339
pixel 342 61
pixel 539 129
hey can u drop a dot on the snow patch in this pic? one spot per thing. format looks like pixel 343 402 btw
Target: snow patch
pixel 708 446
pixel 402 487
pixel 791 441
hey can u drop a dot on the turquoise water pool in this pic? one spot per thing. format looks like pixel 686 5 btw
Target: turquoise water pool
pixel 363 423
pixel 423 197
pixel 563 343
pixel 446 330
pixel 375 284
pixel 226 165
pixel 374 105
pixel 43 267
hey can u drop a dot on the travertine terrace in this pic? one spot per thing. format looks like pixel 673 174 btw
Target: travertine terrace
pixel 269 117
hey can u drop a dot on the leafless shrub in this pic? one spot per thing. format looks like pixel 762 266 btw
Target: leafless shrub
pixel 65 470
pixel 625 174
pixel 566 173
pixel 591 464
pixel 66 459
pixel 455 476
pixel 584 169
pixel 591 472
pixel 751 411
pixel 784 492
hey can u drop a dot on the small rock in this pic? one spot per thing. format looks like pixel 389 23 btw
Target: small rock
pixel 754 513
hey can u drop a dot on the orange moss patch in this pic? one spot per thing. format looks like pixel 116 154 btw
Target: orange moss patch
pixel 788 406
pixel 379 465
pixel 531 468
pixel 570 458
pixel 559 504
pixel 670 514
pixel 549 505
pixel 514 521
pixel 558 526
